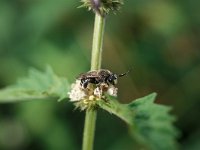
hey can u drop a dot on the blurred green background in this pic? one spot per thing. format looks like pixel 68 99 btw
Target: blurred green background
pixel 159 39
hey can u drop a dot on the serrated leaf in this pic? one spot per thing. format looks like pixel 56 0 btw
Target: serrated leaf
pixel 38 85
pixel 150 124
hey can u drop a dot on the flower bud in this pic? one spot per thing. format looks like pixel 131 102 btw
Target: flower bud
pixel 102 7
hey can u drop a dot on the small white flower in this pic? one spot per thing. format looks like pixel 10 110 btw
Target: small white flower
pixel 90 93
pixel 77 93
pixel 112 90
pixel 98 92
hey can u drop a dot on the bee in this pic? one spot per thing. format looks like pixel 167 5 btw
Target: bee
pixel 98 77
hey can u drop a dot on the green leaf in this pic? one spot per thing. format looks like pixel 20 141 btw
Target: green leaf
pixel 150 124
pixel 38 85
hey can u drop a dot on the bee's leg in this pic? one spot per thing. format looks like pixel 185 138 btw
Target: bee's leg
pixel 84 83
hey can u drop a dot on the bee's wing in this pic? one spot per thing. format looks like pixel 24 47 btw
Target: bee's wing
pixel 90 74
pixel 103 73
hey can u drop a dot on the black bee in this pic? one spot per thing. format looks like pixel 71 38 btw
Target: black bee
pixel 98 77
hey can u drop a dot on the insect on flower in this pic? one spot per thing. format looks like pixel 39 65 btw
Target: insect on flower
pixel 99 77
pixel 94 84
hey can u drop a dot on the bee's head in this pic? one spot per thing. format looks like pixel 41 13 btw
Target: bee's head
pixel 112 79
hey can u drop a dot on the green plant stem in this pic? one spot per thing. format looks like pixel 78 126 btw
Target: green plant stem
pixel 97 42
pixel 89 129
pixel 90 118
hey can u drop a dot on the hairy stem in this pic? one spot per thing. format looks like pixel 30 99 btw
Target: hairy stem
pixel 90 118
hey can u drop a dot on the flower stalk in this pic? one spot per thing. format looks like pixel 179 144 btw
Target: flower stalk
pixel 97 42
pixel 91 114
pixel 101 8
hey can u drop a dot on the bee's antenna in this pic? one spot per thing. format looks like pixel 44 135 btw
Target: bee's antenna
pixel 123 74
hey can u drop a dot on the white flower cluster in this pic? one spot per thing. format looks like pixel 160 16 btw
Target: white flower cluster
pixel 78 93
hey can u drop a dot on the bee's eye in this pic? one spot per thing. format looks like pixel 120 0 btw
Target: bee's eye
pixel 112 79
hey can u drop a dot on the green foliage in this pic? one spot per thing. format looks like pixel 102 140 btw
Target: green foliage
pixel 38 85
pixel 150 124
